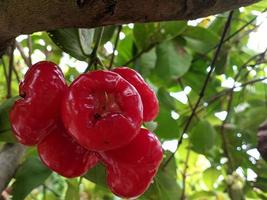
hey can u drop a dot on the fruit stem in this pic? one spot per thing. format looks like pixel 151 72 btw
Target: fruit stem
pixel 93 58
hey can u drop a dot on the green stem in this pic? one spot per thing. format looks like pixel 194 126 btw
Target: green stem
pixel 115 47
pixel 93 57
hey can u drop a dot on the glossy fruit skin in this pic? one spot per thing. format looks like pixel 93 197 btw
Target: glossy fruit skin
pixel 41 90
pixel 102 111
pixel 130 169
pixel 148 96
pixel 62 154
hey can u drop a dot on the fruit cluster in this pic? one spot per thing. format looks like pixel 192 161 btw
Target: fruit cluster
pixel 97 118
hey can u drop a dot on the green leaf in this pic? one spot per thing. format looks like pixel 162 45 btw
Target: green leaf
pixel 72 192
pixel 125 49
pixel 7 136
pixel 165 185
pixel 210 176
pixel 168 128
pixel 151 33
pixel 5 129
pixel 200 39
pixel 202 137
pixel 222 60
pixel 151 126
pixel 148 62
pixel 31 174
pixel 244 119
pixel 172 29
pixel 107 34
pixel 86 37
pixel 97 175
pixel 172 62
pixel 196 76
pixel 76 42
pixel 203 195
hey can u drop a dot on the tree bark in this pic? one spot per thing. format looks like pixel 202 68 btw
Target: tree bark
pixel 10 157
pixel 28 16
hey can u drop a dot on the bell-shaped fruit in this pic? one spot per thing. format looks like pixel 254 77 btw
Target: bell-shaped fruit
pixel 102 110
pixel 148 96
pixel 62 154
pixel 35 113
pixel 131 169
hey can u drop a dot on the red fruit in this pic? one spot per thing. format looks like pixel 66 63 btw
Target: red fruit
pixel 33 115
pixel 149 98
pixel 62 154
pixel 130 169
pixel 102 110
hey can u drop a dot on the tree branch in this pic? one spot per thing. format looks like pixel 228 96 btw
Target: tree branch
pixel 9 160
pixel 89 14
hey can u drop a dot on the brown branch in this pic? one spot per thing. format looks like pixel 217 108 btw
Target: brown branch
pixel 55 14
pixel 10 157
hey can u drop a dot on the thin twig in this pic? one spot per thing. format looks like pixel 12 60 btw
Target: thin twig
pixel 242 28
pixel 224 139
pixel 241 68
pixel 51 190
pixel 184 173
pixel 232 35
pixel 24 57
pixel 226 92
pixel 29 43
pixel 115 47
pixel 138 55
pixel 202 92
pixel 93 57
pixel 4 68
pixel 10 70
pixel 44 192
pixel 189 101
pixel 16 74
pixel 258 61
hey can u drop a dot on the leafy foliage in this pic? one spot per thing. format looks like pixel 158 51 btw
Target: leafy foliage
pixel 31 174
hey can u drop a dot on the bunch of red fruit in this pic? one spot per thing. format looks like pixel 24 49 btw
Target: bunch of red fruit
pixel 97 118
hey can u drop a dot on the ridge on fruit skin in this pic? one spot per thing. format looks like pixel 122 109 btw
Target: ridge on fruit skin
pixel 35 113
pixel 148 96
pixel 102 110
pixel 131 169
